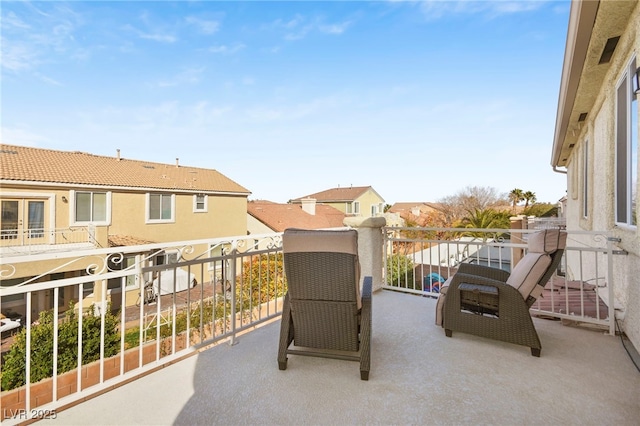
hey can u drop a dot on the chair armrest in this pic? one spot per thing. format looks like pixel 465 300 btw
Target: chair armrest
pixel 367 288
pixel 484 271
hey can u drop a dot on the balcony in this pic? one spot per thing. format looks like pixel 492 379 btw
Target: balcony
pixel 418 376
pixel 188 370
pixel 33 241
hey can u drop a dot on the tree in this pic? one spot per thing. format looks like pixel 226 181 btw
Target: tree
pixel 515 196
pixel 472 198
pixel 485 219
pixel 529 197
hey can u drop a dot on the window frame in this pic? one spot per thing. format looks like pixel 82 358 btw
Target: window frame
pixel 205 202
pixel 585 179
pixel 73 203
pixel 147 209
pixel 626 161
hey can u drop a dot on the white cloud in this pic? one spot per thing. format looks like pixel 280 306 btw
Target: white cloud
pixel 227 49
pixel 187 76
pixel 163 38
pixel 203 25
pixel 11 20
pixel 300 26
pixel 435 9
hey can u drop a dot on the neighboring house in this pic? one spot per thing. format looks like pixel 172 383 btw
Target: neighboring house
pixel 62 201
pixel 596 140
pixel 353 201
pixel 416 212
pixel 266 217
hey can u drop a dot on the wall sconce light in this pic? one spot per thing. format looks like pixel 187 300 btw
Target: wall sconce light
pixel 636 82
pixel 64 199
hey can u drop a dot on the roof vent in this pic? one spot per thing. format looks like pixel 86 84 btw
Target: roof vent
pixel 608 50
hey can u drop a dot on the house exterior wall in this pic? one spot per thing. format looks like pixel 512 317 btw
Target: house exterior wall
pixel 225 216
pixel 368 199
pixel 598 136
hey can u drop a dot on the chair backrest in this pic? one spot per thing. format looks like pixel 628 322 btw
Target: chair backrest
pixel 544 251
pixel 322 264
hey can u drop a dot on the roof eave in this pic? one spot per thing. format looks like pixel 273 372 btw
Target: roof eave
pixel 581 20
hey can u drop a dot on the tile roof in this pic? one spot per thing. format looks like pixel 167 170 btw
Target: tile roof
pixel 281 216
pixel 408 206
pixel 20 163
pixel 126 240
pixel 337 194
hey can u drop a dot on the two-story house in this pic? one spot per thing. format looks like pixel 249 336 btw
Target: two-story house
pixel 60 201
pixel 352 201
pixel 596 142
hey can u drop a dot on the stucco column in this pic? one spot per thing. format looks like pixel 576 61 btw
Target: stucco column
pixel 370 250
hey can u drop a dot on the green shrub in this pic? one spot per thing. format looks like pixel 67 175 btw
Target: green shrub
pixel 399 271
pixel 14 367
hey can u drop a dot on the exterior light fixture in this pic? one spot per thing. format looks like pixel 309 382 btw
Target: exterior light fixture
pixel 64 199
pixel 636 82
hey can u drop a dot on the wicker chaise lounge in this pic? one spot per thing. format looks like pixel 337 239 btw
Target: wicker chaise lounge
pixel 325 313
pixel 492 303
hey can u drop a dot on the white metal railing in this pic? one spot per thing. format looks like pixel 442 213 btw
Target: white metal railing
pixel 159 315
pixel 232 284
pixel 419 260
pixel 26 241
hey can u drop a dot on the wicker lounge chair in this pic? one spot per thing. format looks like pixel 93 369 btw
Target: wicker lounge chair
pixel 490 302
pixel 324 313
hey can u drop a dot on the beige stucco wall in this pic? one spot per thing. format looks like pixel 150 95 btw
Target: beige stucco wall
pixel 226 216
pixel 367 200
pixel 598 136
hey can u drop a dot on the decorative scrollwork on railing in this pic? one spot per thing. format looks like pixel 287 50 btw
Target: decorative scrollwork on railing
pixel 7 271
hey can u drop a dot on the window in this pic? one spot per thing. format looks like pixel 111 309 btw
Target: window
pixel 9 220
pixel 91 207
pixel 626 173
pixel 585 179
pixel 353 208
pixel 374 210
pixel 200 203
pixel 160 207
pixel 35 222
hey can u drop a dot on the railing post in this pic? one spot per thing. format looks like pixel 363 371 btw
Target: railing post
pixel 234 311
pixel 370 247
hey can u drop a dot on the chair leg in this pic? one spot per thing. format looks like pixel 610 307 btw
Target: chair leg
pixel 535 352
pixel 448 333
pixel 364 375
pixel 282 365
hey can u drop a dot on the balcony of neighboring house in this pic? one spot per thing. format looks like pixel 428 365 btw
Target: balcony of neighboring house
pixel 207 353
pixel 15 241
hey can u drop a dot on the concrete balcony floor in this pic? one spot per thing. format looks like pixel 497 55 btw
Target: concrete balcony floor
pixel 418 376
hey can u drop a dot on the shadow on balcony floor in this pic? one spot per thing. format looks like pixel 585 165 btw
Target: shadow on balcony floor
pixel 418 376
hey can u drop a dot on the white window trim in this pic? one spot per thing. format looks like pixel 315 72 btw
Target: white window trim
pixel 356 207
pixel 585 179
pixel 195 204
pixel 147 206
pixel 628 74
pixel 72 209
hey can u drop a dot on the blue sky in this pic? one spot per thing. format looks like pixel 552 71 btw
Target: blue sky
pixel 418 99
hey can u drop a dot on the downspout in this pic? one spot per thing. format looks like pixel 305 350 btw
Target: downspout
pixel 555 169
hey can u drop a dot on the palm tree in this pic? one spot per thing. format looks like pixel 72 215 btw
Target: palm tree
pixel 515 196
pixel 529 197
pixel 484 219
